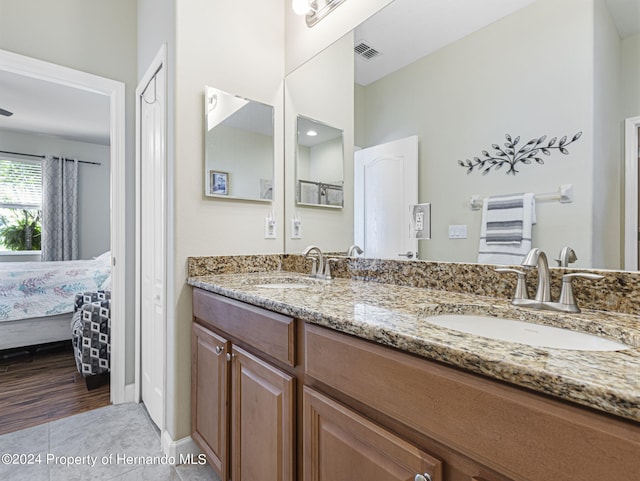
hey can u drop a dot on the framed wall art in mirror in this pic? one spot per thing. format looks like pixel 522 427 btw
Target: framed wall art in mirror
pixel 319 164
pixel 238 144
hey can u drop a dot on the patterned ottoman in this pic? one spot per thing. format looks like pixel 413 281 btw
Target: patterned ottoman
pixel 91 336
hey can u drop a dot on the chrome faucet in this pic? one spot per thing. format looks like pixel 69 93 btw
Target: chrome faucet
pixel 317 269
pixel 354 248
pixel 567 256
pixel 537 258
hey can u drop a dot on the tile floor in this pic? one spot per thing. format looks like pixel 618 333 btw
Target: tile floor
pixel 121 439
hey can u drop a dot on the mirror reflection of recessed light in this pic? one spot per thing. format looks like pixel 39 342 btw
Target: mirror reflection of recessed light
pixel 312 133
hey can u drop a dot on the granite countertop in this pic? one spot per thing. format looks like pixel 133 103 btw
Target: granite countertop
pixel 395 316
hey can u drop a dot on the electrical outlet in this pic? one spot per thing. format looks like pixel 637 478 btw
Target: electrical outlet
pixel 296 228
pixel 420 226
pixel 269 227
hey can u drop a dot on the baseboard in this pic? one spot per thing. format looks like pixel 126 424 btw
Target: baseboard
pixel 184 451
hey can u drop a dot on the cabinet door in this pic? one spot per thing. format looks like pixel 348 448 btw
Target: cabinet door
pixel 209 397
pixel 341 445
pixel 262 424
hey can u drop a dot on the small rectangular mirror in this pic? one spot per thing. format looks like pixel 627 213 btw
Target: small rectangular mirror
pixel 239 148
pixel 319 164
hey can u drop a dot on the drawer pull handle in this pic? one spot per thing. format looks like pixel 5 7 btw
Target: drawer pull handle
pixel 422 477
pixel 219 350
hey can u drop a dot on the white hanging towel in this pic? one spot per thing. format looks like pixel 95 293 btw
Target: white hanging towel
pixel 505 234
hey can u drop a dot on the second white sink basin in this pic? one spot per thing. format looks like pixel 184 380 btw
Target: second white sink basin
pixel 525 333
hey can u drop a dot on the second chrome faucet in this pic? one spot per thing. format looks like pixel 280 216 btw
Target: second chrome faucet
pixel 537 258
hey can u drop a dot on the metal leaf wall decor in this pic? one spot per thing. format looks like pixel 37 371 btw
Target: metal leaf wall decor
pixel 511 155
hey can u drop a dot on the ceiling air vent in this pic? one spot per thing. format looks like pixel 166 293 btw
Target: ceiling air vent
pixel 366 51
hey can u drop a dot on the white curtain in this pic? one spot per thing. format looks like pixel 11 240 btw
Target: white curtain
pixel 59 209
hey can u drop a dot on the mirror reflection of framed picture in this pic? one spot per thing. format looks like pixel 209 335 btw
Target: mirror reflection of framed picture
pixel 218 182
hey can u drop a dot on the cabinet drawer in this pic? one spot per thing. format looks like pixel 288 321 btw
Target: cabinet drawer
pixel 341 445
pixel 522 435
pixel 269 332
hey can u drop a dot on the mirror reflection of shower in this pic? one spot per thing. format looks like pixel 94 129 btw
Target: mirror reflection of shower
pixel 319 164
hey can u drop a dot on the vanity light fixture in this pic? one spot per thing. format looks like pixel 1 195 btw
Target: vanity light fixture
pixel 314 10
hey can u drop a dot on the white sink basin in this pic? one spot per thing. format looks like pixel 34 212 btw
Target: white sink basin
pixel 284 285
pixel 525 333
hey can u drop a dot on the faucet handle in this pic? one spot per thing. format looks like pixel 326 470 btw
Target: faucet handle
pixel 566 295
pixel 314 266
pixel 327 267
pixel 521 285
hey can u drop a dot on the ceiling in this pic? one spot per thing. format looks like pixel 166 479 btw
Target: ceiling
pixel 429 25
pixel 73 114
pixel 48 108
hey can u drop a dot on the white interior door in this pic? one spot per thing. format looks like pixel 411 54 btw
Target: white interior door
pixel 152 245
pixel 386 184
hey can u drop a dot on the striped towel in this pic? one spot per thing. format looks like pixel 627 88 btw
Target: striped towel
pixel 505 236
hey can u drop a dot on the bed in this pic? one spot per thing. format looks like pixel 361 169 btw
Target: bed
pixel 37 298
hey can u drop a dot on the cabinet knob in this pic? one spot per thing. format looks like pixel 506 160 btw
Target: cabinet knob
pixel 219 350
pixel 422 477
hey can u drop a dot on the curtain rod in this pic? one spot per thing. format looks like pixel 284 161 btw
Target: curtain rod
pixel 43 156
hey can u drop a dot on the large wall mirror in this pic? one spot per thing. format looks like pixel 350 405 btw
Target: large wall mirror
pixel 319 164
pixel 239 147
pixel 525 68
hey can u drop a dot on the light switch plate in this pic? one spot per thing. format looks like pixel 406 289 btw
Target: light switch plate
pixel 458 231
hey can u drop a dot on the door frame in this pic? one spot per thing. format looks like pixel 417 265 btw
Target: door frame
pixel 631 144
pixel 159 62
pixel 115 90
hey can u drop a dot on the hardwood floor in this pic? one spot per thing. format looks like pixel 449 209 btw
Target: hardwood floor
pixel 43 386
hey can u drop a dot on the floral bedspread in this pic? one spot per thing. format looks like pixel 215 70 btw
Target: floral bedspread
pixel 40 289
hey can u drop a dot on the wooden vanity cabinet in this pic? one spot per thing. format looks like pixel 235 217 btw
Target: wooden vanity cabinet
pixel 482 430
pixel 341 445
pixel 209 396
pixel 242 406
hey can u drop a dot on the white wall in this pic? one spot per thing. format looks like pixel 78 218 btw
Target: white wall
pixel 94 37
pixel 93 184
pixel 314 94
pixel 467 96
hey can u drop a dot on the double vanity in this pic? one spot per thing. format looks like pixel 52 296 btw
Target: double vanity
pixel 375 374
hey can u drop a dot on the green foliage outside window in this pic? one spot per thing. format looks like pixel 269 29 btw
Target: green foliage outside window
pixel 20 229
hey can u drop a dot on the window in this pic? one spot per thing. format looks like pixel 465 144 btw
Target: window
pixel 20 205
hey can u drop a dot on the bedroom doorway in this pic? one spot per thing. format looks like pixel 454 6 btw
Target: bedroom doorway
pixel 115 93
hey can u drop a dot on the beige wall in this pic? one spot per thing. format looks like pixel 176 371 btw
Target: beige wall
pixel 467 96
pixel 94 37
pixel 608 227
pixel 217 44
pixel 631 76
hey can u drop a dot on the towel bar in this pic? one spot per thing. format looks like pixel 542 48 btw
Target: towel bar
pixel 564 195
